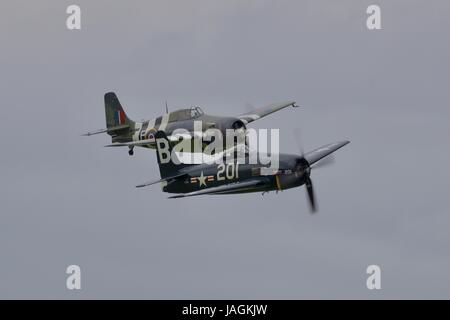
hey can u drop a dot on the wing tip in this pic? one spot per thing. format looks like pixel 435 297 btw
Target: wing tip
pixel 341 144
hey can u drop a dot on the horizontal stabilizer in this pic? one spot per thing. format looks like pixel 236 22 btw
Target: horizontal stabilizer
pixel 91 133
pixel 149 183
pixel 111 129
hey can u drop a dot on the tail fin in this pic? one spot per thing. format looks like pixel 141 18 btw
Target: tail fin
pixel 168 162
pixel 115 115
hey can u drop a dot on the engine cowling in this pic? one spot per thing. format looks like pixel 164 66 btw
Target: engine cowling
pixel 294 178
pixel 238 124
pixel 287 181
pixel 232 124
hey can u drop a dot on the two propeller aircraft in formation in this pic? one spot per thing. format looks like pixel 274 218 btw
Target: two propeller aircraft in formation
pixel 215 177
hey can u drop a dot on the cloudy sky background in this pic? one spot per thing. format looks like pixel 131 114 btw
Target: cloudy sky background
pixel 67 200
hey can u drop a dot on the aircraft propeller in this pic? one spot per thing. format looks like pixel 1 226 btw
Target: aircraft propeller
pixel 305 170
pixel 310 193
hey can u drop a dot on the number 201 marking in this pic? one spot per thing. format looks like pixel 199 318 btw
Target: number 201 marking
pixel 229 171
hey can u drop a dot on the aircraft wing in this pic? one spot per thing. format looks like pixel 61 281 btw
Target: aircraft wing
pixel 146 142
pixel 324 151
pixel 264 111
pixel 223 189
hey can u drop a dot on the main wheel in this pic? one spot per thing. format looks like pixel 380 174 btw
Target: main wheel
pixel 130 152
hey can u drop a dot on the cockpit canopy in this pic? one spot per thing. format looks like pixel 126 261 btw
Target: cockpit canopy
pixel 186 114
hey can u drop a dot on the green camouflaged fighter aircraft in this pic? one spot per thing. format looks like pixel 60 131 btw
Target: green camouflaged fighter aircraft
pixel 127 133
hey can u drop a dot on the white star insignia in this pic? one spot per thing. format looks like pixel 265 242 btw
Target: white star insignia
pixel 202 180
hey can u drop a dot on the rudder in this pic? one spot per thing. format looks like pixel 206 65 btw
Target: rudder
pixel 165 155
pixel 115 115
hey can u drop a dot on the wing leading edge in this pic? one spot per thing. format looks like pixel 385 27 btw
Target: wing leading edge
pixel 322 152
pixel 264 111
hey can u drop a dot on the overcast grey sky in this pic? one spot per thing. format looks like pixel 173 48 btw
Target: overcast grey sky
pixel 67 200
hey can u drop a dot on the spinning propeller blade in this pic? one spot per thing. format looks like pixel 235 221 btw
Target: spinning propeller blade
pixel 310 193
pixel 317 158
